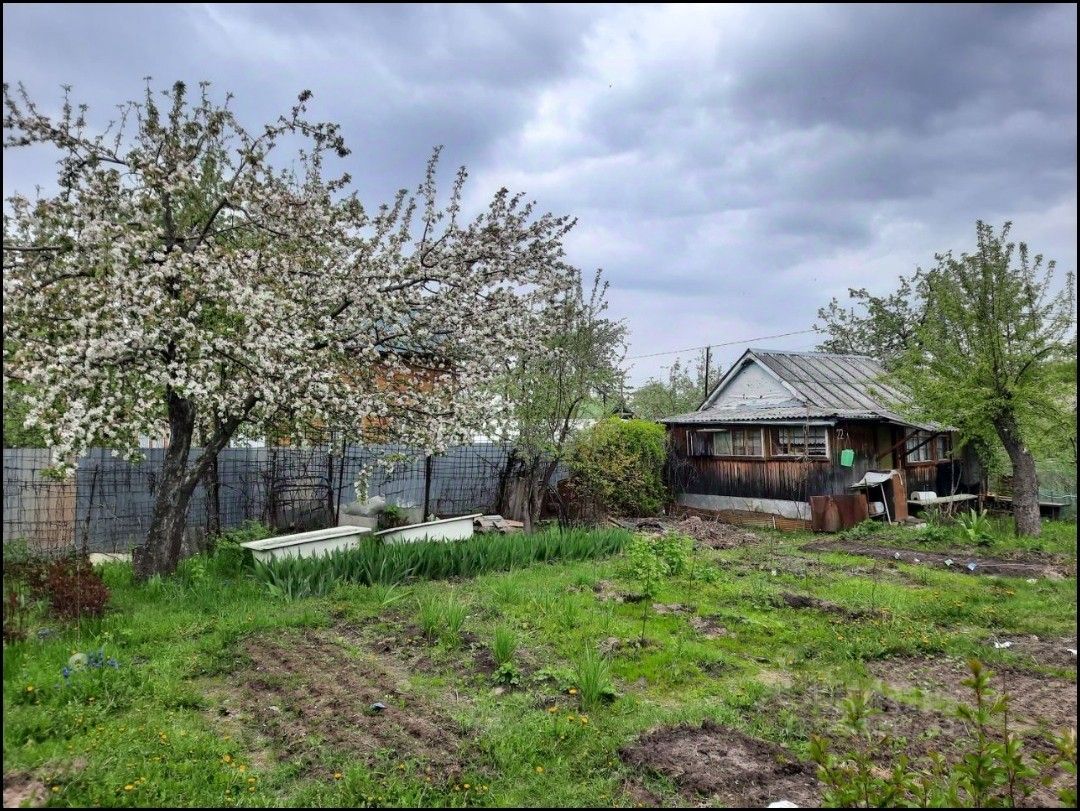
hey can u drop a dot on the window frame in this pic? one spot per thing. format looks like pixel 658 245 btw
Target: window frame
pixel 926 445
pixel 730 431
pixel 805 454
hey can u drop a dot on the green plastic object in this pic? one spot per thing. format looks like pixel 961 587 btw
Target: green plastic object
pixel 847 457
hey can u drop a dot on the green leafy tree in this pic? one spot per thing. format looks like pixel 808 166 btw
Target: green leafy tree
pixel 988 355
pixel 882 327
pixel 551 390
pixel 986 343
pixel 683 391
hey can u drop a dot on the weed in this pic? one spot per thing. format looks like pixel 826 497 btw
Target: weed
pixel 429 617
pixel 592 678
pixel 504 646
pixel 455 613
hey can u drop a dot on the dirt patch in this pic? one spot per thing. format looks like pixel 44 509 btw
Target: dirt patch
pixel 1043 652
pixel 712 533
pixel 307 690
pixel 806 601
pixel 606 591
pixel 725 766
pixel 1035 701
pixel 710 627
pixel 671 608
pixel 962 562
pixel 23 791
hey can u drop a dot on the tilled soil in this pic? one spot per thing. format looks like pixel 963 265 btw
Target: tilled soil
pixel 805 601
pixel 712 533
pixel 897 728
pixel 1036 702
pixel 22 790
pixel 724 766
pixel 1034 566
pixel 1043 652
pixel 307 690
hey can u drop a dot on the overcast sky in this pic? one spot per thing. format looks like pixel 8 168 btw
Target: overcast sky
pixel 731 167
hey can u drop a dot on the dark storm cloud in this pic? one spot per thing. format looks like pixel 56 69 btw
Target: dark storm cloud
pixel 731 167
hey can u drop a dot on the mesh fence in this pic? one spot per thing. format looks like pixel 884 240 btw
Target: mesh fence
pixel 107 505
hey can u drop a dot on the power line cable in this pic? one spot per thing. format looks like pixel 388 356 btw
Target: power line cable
pixel 726 343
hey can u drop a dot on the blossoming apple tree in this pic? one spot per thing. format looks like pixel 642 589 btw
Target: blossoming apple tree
pixel 192 273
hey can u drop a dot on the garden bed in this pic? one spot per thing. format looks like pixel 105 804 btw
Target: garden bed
pixel 228 693
pixel 963 561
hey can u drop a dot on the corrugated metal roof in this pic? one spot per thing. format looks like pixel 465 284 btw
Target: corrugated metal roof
pixel 826 386
pixel 768 414
pixel 833 381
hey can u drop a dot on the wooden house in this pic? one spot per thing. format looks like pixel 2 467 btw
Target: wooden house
pixel 781 428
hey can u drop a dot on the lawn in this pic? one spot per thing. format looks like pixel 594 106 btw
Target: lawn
pixel 225 694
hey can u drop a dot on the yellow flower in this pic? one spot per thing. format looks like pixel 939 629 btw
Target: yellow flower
pixel 572 691
pixel 29 688
pixel 129 787
pixel 584 719
pixel 337 775
pixel 240 767
pixel 553 710
pixel 226 759
pixel 466 786
pixel 251 779
pixel 539 769
pixel 56 788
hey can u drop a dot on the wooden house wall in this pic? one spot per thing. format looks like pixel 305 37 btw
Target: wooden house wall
pixel 798 479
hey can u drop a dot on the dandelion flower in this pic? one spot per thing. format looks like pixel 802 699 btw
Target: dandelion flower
pixel 337 775
pixel 226 759
pixel 572 691
pixel 129 787
pixel 539 769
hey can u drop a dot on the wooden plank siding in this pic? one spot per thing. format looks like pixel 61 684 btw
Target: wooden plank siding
pixel 799 479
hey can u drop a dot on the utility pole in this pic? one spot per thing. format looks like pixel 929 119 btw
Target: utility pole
pixel 708 355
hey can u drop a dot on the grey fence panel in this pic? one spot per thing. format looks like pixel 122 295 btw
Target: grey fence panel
pixel 108 504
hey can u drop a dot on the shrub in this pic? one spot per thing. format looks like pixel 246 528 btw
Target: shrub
pixel 392 516
pixel 229 557
pixel 74 589
pixel 619 465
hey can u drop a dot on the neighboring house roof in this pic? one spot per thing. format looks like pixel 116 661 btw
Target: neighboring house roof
pixel 820 385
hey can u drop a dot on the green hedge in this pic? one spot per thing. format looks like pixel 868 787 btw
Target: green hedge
pixel 619 465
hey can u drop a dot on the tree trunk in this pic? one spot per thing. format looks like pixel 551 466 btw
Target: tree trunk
pixel 160 553
pixel 521 496
pixel 1025 493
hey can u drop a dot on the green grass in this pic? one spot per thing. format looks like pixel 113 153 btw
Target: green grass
pixel 163 724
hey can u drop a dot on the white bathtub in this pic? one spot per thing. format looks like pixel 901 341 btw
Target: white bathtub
pixel 445 529
pixel 307 544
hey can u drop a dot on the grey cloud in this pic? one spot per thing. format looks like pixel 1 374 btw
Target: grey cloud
pixel 730 169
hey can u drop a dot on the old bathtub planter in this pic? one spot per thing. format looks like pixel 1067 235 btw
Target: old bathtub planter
pixel 444 529
pixel 307 544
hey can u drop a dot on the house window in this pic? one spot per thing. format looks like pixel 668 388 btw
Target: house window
pixel 726 442
pixel 699 443
pixel 738 442
pixel 918 448
pixel 943 444
pixel 803 440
